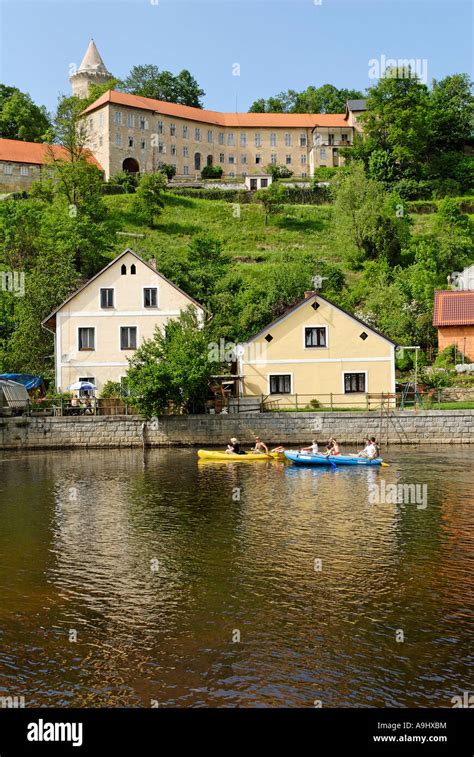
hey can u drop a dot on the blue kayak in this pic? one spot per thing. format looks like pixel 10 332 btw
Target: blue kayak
pixel 303 458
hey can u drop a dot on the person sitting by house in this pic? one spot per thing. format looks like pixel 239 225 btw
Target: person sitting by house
pixel 233 448
pixel 260 446
pixel 371 450
pixel 313 448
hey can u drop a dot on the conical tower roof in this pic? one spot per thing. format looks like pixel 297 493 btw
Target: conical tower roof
pixel 92 60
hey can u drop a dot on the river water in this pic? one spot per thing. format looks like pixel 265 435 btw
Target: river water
pixel 145 579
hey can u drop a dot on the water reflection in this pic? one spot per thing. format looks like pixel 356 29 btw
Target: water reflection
pixel 155 561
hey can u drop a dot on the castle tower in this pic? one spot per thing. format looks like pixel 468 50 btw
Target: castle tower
pixel 91 71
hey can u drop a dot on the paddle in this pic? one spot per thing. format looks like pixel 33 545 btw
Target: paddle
pixel 385 465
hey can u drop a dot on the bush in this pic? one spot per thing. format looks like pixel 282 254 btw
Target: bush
pixel 125 181
pixel 228 195
pixel 410 189
pixel 324 173
pixel 168 169
pixel 212 172
pixel 278 172
pixel 111 390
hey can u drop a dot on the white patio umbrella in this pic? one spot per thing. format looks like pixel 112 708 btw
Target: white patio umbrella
pixel 85 386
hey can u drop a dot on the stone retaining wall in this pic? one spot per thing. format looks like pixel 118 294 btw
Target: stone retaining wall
pixel 408 427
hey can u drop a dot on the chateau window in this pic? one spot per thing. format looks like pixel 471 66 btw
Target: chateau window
pixel 24 171
pixel 243 140
pixel 315 336
pixel 101 141
pixel 355 383
pixel 185 152
pixel 185 132
pixel 273 139
pixel 303 160
pixel 273 158
pixel 302 140
pixel 173 149
pixel 142 122
pixel 128 337
pixel 160 127
pixel 287 139
pixel 186 170
pixel 231 174
pixel 258 140
pixel 280 383
pixel 232 159
pixel 106 298
pixel 130 120
pixel 221 157
pixel 330 139
pixel 243 159
pixel 150 297
pixel 221 138
pixel 118 139
pixel 288 160
pixel 172 130
pixel 161 147
pixel 210 136
pixel 8 169
pixel 258 159
pixel 344 139
pixel 230 138
pixel 130 141
pixel 322 153
pixel 197 134
pixel 86 338
pixel 118 118
pixel 143 144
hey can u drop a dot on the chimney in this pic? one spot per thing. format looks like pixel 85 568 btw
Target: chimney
pixel 308 294
pixel 152 263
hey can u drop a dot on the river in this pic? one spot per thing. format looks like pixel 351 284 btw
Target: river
pixel 146 579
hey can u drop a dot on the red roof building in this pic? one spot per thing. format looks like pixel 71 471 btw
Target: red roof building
pixel 454 318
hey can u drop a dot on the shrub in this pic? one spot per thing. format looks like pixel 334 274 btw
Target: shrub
pixel 212 172
pixel 278 171
pixel 169 170
pixel 111 390
pixel 324 173
pixel 125 181
pixel 228 195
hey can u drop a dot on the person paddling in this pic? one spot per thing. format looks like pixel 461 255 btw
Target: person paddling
pixel 313 448
pixel 260 446
pixel 234 447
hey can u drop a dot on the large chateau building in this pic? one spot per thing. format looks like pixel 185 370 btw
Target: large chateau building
pixel 138 134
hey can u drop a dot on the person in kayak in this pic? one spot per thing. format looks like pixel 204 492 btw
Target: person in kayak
pixel 371 450
pixel 313 448
pixel 333 448
pixel 260 446
pixel 234 447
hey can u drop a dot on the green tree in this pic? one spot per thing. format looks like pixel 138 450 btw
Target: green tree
pixel 172 367
pixel 272 199
pixel 451 113
pixel 148 81
pixel 324 99
pixel 21 118
pixel 205 267
pixel 278 171
pixel 169 170
pixel 149 195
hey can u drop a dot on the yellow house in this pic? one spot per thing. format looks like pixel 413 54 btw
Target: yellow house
pixel 317 349
pixel 101 325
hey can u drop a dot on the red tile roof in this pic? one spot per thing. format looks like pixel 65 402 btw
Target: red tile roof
pixel 453 308
pixel 244 120
pixel 36 153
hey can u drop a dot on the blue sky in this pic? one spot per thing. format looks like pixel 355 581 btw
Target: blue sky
pixel 279 44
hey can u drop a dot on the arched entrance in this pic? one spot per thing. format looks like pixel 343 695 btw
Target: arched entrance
pixel 130 165
pixel 197 161
pixel 210 160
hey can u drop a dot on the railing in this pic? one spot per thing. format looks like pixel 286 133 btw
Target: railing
pixel 44 407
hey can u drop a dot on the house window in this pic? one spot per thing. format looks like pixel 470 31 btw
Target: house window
pixel 118 118
pixel 243 140
pixel 322 153
pixel 106 298
pixel 230 139
pixel 23 170
pixel 344 139
pixel 90 380
pixel 354 383
pixel 142 122
pixel 118 139
pixel 185 152
pixel 273 139
pixel 160 127
pixel 287 139
pixel 130 141
pixel 150 297
pixel 302 140
pixel 288 160
pixel 186 170
pixel 221 138
pixel 172 130
pixel 8 169
pixel 128 337
pixel 258 159
pixel 263 183
pixel 185 132
pixel 258 139
pixel 330 139
pixel 123 270
pixel 197 134
pixel 133 269
pixel 86 338
pixel 210 136
pixel 315 336
pixel 130 121
pixel 280 384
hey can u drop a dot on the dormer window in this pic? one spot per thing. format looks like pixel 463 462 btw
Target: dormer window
pixel 315 336
pixel 123 270
pixel 133 269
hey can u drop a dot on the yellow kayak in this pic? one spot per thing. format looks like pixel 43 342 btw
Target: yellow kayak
pixel 208 454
